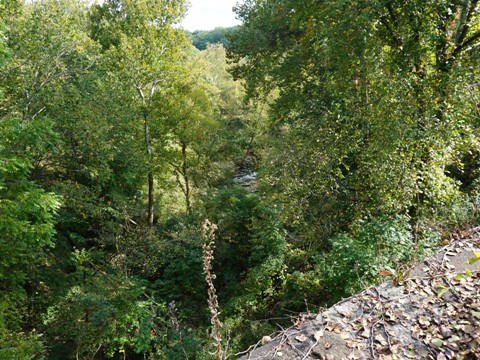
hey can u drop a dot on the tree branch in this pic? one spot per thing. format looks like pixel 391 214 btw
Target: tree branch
pixel 465 44
pixel 179 182
pixel 465 25
pixel 461 43
pixel 140 92
pixel 152 90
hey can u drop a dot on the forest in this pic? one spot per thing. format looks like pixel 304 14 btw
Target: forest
pixel 124 233
pixel 202 38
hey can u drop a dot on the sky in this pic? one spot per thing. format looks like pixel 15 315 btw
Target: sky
pixel 209 14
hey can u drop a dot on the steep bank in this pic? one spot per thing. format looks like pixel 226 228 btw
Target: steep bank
pixel 432 312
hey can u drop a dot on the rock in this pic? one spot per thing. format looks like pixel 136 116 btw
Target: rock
pixel 247 180
pixel 432 314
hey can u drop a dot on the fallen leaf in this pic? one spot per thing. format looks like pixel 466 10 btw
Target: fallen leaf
pixel 472 260
pixel 301 338
pixel 449 353
pixel 411 354
pixel 365 334
pixel 440 289
pixel 381 339
pixel 467 328
pixel 395 349
pixel 437 342
pixel 390 315
pixel 351 344
pixel 318 334
pixel 353 356
pixel 424 321
pixel 423 353
pixel 445 331
pixel 441 356
pixel 453 339
pixel 476 314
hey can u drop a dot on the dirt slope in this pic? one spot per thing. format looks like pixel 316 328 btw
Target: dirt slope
pixel 434 313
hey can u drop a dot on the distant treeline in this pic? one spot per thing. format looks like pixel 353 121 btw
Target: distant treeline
pixel 219 35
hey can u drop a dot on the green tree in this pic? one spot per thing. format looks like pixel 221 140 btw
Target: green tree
pixel 202 38
pixel 49 44
pixel 243 123
pixel 365 107
pixel 28 212
pixel 142 47
pixel 27 228
pixel 188 115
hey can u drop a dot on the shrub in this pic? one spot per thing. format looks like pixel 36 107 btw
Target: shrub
pixel 356 259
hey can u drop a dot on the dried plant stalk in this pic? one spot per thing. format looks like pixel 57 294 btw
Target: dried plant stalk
pixel 208 234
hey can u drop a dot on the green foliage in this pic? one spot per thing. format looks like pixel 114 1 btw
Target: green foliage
pixel 9 8
pixel 105 314
pixel 3 47
pixel 365 108
pixel 20 346
pixel 48 45
pixel 187 118
pixel 364 136
pixel 180 265
pixel 202 38
pixel 28 213
pixel 356 259
pixel 242 123
pixel 142 51
pixel 116 22
pixel 250 258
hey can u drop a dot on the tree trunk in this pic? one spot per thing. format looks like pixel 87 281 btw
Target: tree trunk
pixel 148 148
pixel 151 203
pixel 151 184
pixel 186 178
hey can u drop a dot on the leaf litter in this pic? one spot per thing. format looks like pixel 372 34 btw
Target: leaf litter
pixel 433 314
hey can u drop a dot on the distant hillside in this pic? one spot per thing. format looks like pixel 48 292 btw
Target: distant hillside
pixel 219 35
